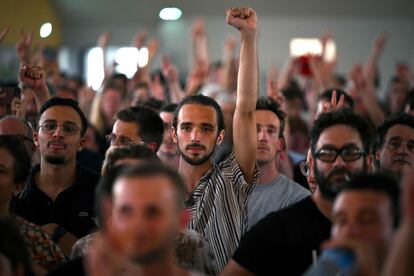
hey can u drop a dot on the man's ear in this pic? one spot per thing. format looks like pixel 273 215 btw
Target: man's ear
pixel 18 187
pixel 36 138
pixel 81 143
pixel 220 137
pixel 152 146
pixel 280 144
pixel 174 135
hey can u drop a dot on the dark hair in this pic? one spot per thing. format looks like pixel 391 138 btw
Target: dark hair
pixel 347 118
pixel 169 108
pixel 150 124
pixel 327 95
pixel 21 159
pixel 106 183
pixel 395 119
pixel 65 102
pixel 13 247
pixel 132 151
pixel 153 104
pixel 410 100
pixel 269 104
pixel 379 182
pixel 201 100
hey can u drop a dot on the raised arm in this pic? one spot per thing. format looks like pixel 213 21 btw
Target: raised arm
pixel 34 77
pixel 244 122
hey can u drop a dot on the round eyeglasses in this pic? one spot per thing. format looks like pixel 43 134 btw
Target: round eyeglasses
pixel 68 128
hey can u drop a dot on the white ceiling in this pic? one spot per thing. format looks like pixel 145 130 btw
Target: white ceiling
pixel 145 12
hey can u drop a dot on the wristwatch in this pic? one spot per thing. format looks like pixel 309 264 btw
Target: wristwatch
pixel 58 234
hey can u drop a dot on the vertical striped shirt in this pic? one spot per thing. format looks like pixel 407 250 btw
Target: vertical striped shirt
pixel 219 208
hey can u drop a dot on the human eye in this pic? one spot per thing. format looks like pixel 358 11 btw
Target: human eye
pixel 125 140
pixel 394 143
pixel 69 128
pixel 326 154
pixel 351 153
pixel 410 146
pixel 125 211
pixel 49 125
pixel 271 131
pixel 153 212
pixel 207 129
pixel 185 127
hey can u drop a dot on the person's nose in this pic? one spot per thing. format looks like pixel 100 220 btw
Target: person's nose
pixel 195 135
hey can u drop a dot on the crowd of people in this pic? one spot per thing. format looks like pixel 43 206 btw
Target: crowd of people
pixel 155 176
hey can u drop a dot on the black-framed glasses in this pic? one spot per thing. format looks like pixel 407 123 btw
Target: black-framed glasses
pixel 111 139
pixel 68 128
pixel 348 154
pixel 304 168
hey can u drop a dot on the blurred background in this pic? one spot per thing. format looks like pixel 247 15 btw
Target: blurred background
pixel 76 26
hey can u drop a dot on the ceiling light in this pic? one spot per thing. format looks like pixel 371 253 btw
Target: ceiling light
pixel 45 30
pixel 170 13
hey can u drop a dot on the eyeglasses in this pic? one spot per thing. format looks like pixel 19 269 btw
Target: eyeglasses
pixel 348 154
pixel 396 143
pixel 304 168
pixel 111 139
pixel 68 128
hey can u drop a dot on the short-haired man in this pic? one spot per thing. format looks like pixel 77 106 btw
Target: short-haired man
pixel 219 193
pixel 285 241
pixel 168 152
pixel 60 194
pixel 364 217
pixel 275 190
pixel 395 143
pixel 137 125
pixel 143 210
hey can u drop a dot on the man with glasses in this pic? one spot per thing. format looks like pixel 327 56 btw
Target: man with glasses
pixel 275 190
pixel 395 144
pixel 286 241
pixel 137 125
pixel 59 194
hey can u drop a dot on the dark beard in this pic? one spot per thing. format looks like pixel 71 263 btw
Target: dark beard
pixel 196 162
pixel 329 188
pixel 55 160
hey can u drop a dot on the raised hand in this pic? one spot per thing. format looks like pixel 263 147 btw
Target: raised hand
pixel 103 40
pixel 4 33
pixel 244 19
pixel 33 76
pixel 23 45
pixel 334 104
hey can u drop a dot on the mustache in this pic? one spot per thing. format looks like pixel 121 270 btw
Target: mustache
pixel 339 171
pixel 402 158
pixel 195 145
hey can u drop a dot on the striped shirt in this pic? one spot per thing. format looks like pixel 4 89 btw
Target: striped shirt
pixel 219 208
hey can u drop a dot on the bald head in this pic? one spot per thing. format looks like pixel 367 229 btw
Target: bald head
pixel 12 125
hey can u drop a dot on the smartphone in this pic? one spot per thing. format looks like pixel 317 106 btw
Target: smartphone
pixel 8 94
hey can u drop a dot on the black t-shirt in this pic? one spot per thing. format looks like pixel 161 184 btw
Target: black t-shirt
pixel 73 208
pixel 282 242
pixel 73 267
